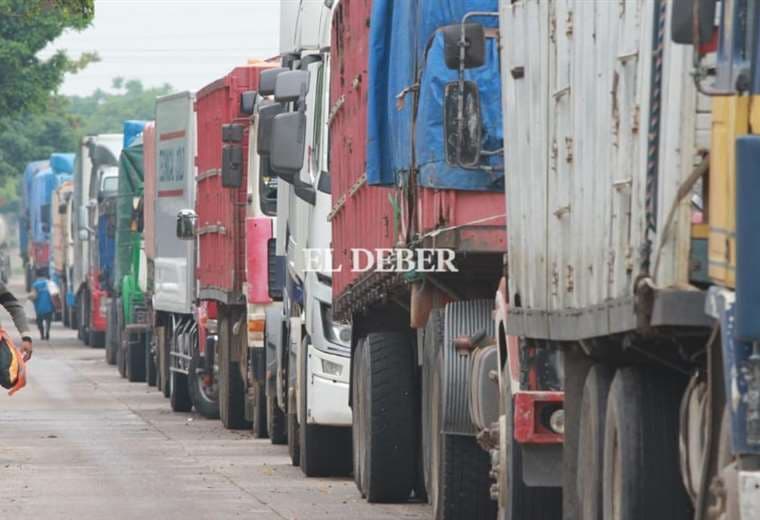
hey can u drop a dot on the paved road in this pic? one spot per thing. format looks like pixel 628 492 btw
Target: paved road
pixel 81 443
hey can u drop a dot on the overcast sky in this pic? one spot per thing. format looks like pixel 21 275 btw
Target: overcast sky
pixel 186 43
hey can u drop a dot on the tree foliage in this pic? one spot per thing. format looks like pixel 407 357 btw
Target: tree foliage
pixel 64 121
pixel 26 27
pixel 103 112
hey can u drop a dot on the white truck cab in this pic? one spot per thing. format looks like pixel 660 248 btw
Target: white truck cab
pixel 315 390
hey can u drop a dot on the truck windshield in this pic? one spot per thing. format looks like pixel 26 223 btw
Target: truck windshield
pixel 267 189
pixel 109 185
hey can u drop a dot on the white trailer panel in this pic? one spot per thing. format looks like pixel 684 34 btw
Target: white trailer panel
pixel 175 262
pixel 582 83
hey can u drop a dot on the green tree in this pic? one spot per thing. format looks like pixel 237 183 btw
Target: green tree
pixel 26 27
pixel 104 113
pixel 62 124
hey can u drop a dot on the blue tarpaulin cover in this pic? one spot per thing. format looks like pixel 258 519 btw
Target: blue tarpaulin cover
pixel 396 27
pixel 43 186
pixel 62 163
pixel 32 169
pixel 131 130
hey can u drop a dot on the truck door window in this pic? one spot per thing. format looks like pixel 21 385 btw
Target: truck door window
pixel 267 188
pixel 317 141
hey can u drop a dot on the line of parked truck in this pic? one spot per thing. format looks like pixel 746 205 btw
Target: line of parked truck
pixel 595 353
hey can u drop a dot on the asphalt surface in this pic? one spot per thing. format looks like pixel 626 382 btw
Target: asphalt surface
pixel 79 442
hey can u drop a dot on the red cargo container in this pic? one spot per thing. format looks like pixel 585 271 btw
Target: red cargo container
pixel 221 211
pixel 362 217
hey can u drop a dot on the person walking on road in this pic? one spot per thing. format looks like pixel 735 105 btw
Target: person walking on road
pixel 16 310
pixel 43 305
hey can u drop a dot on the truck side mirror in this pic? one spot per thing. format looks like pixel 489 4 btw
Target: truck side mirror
pixel 267 112
pixel 187 221
pixel 232 166
pixel 268 80
pixel 472 37
pixel 324 183
pixel 305 191
pixel 291 86
pixel 248 101
pixel 462 124
pixel 288 144
pixel 682 21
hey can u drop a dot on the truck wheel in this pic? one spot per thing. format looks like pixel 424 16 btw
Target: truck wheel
pixel 642 477
pixel 112 343
pixel 231 387
pixel 387 402
pixel 179 393
pixel 260 430
pixel 591 442
pixel 204 396
pixel 457 469
pixel 150 363
pixel 28 278
pixel 97 339
pixel 294 438
pixel 357 410
pixel 276 426
pixel 74 316
pixel 65 314
pixel 324 450
pixel 135 358
pixel 83 316
pixel 121 354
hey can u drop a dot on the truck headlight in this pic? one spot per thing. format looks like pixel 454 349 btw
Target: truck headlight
pixel 557 421
pixel 331 369
pixel 334 331
pixel 104 304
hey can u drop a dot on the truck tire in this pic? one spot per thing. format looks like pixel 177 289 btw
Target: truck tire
pixel 136 358
pixel 642 477
pixel 121 355
pixel 28 278
pixel 97 339
pixel 231 387
pixel 74 316
pixel 204 399
pixel 260 430
pixel 294 439
pixel 179 393
pixel 83 317
pixel 387 424
pixel 112 343
pixel 65 312
pixel 522 502
pixel 150 362
pixel 591 443
pixel 456 469
pixel 276 422
pixel 357 419
pixel 325 451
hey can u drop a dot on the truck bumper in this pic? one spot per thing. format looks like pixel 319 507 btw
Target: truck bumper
pixel 99 307
pixel 327 388
pixel 749 494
